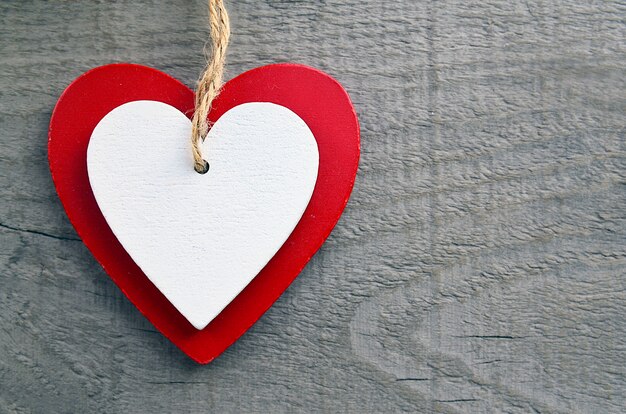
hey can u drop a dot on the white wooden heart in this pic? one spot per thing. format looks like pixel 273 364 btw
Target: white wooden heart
pixel 202 238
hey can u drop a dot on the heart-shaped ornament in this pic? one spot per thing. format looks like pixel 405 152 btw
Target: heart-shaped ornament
pixel 204 256
pixel 201 238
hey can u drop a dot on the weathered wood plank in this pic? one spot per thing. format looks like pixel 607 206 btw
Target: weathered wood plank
pixel 479 266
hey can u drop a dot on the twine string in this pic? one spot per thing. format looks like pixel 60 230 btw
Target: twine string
pixel 210 82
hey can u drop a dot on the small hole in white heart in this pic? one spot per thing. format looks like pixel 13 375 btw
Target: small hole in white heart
pixel 202 170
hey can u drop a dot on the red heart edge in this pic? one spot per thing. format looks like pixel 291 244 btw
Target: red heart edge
pixel 313 95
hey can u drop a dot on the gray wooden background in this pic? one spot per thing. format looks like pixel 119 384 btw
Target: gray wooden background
pixel 479 266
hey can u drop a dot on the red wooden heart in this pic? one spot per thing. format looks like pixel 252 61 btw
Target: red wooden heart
pixel 316 97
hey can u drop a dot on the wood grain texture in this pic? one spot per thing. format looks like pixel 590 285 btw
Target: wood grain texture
pixel 479 266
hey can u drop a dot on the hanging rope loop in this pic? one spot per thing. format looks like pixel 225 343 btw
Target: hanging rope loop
pixel 210 82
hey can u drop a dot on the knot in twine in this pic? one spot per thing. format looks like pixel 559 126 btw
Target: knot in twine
pixel 210 82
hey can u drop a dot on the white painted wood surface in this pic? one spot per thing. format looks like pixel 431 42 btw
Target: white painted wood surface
pixel 201 238
pixel 478 267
